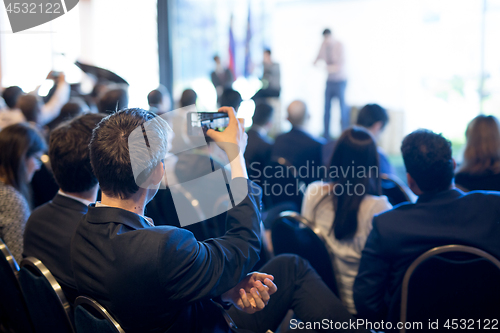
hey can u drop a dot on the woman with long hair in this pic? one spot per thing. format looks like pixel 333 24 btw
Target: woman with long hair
pixel 480 169
pixel 21 148
pixel 343 207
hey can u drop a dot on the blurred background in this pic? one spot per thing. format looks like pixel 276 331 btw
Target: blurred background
pixel 431 63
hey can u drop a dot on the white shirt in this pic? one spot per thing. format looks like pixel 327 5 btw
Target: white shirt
pixel 347 252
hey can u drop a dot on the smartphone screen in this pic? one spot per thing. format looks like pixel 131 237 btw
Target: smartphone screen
pixel 217 121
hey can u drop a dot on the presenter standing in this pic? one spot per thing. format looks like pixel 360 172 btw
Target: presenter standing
pixel 332 52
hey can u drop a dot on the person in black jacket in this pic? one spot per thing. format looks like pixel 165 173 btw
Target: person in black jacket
pixel 50 227
pixel 441 216
pixel 159 278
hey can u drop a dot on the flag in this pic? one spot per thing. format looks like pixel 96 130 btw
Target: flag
pixel 232 63
pixel 248 57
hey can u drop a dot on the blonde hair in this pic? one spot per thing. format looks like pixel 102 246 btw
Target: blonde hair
pixel 482 150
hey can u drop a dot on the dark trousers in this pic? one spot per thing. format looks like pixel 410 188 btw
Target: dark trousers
pixel 300 289
pixel 335 89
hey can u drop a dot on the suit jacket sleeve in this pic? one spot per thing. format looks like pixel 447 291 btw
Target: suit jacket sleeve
pixel 371 282
pixel 190 270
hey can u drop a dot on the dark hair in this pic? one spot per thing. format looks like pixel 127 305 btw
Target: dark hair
pixel 10 96
pixel 69 111
pixel 125 148
pixel 188 97
pixel 263 113
pixel 482 149
pixel 267 50
pixel 30 107
pixel 69 153
pixel 427 158
pixel 113 100
pixel 230 98
pixel 17 143
pixel 370 114
pixel 327 32
pixel 355 148
pixel 216 57
pixel 155 97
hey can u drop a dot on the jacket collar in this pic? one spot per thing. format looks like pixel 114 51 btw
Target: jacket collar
pixel 440 196
pixel 61 200
pixel 102 215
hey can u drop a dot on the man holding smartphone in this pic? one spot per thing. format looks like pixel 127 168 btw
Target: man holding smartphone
pixel 160 278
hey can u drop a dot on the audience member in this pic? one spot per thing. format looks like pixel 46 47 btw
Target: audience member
pixel 70 110
pixel 442 215
pixel 258 151
pixel 113 100
pixel 343 208
pixel 332 52
pixel 9 114
pixel 222 78
pixel 374 118
pixel 231 98
pixel 188 98
pixel 160 279
pixel 480 169
pixel 51 226
pixel 21 148
pixel 33 108
pixel 271 78
pixel 159 101
pixel 298 147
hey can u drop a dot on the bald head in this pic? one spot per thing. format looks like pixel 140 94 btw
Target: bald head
pixel 297 113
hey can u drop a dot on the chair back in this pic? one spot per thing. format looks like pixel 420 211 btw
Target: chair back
pixel 292 233
pixel 452 281
pixel 92 317
pixel 47 305
pixel 395 190
pixel 12 306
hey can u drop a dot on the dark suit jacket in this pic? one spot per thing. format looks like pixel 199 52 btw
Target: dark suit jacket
pixel 48 236
pixel 160 279
pixel 257 155
pixel 300 149
pixel 400 235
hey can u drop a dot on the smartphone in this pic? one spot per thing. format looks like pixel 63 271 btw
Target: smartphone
pixel 217 121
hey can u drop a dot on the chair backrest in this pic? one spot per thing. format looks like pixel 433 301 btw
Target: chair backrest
pixel 452 281
pixel 47 305
pixel 292 233
pixel 394 189
pixel 12 306
pixel 92 317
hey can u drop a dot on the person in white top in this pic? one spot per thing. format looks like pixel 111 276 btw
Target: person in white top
pixel 343 208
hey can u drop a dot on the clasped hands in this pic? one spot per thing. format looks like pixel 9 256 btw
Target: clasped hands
pixel 252 293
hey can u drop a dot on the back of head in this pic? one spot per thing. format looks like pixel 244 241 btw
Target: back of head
pixel 69 153
pixel 155 98
pixel 428 160
pixel 231 98
pixel 17 143
pixel 482 150
pixel 371 114
pixel 30 107
pixel 297 113
pixel 354 163
pixel 10 96
pixel 188 97
pixel 125 149
pixel 113 100
pixel 263 114
pixel 327 32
